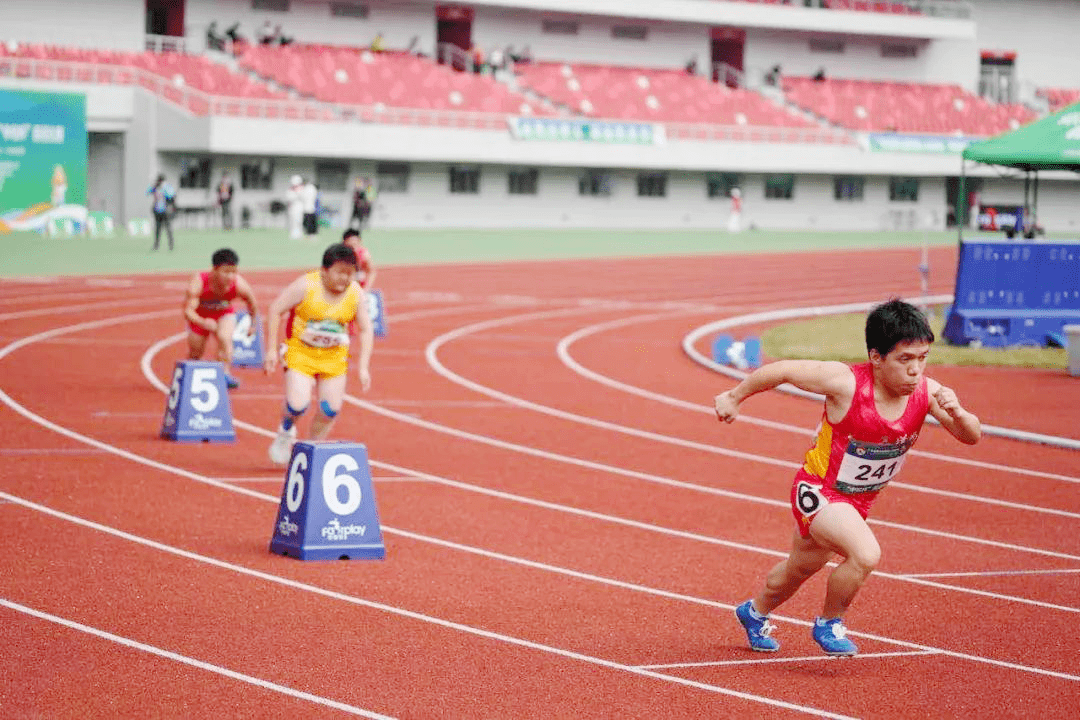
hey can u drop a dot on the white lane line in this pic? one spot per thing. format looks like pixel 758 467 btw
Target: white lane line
pixel 563 351
pixel 804 658
pixel 994 573
pixel 184 659
pixel 156 382
pixel 437 366
pixel 73 308
pixel 14 452
pixel 410 614
pixel 690 341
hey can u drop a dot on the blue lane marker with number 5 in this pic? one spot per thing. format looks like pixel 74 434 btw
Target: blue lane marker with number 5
pixel 327 509
pixel 198 404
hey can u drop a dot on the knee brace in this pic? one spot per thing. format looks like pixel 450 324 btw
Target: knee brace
pixel 327 410
pixel 291 414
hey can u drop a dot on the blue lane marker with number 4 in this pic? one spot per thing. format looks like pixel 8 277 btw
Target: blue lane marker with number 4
pixel 198 404
pixel 247 350
pixel 327 509
pixel 376 311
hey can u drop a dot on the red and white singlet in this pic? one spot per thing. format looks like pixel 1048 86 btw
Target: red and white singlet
pixel 854 459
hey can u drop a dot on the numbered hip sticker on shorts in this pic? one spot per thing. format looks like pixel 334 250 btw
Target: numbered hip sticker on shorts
pixel 808 499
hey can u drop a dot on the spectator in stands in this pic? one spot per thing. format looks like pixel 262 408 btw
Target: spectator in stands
pixel 295 207
pixel 233 33
pixel 267 35
pixel 378 44
pixel 773 76
pixel 224 198
pixel 309 197
pixel 734 223
pixel 691 66
pixel 819 76
pixel 282 38
pixel 213 40
pixel 477 53
pixel 162 207
pixel 496 60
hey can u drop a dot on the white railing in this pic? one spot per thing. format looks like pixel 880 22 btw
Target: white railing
pixel 956 9
pixel 200 103
pixel 724 74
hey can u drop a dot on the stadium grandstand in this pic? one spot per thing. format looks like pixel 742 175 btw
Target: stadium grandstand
pixel 826 114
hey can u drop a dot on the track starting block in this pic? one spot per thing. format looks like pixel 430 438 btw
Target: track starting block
pixel 247 351
pixel 198 404
pixel 328 509
pixel 742 354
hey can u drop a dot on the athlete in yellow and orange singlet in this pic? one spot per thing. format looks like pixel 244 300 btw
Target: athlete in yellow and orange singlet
pixel 319 306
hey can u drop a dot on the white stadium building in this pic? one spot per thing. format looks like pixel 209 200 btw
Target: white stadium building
pixel 560 113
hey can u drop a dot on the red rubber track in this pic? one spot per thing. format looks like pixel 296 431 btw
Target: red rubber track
pixel 540 549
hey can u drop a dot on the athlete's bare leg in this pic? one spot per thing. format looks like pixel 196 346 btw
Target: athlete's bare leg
pixel 839 527
pixel 226 326
pixel 196 344
pixel 331 394
pixel 805 558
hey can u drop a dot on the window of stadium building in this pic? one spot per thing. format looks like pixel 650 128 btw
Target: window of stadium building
pixel 523 181
pixel 848 187
pixel 257 174
pixel 596 183
pixel 720 185
pixel 392 177
pixel 464 180
pixel 779 187
pixel 195 173
pixel 904 189
pixel 652 184
pixel 332 176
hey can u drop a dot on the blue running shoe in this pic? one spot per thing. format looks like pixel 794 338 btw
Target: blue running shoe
pixel 758 629
pixel 831 635
pixel 231 382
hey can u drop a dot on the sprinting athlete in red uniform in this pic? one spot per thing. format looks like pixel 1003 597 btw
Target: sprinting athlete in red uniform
pixel 873 414
pixel 208 308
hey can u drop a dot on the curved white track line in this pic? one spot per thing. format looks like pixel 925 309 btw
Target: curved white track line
pixel 431 353
pixel 563 351
pixel 691 339
pixel 184 659
pixel 146 358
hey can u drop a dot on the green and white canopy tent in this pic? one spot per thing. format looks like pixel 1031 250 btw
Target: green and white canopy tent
pixel 1052 143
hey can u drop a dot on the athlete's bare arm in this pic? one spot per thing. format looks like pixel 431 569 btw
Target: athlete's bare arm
pixel 191 303
pixel 245 293
pixel 947 410
pixel 289 298
pixel 832 379
pixel 367 340
pixel 369 273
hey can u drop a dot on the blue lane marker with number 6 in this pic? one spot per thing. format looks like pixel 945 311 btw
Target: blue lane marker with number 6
pixel 327 509
pixel 198 404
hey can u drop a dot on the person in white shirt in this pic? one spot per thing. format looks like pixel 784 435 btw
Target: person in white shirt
pixel 295 207
pixel 309 196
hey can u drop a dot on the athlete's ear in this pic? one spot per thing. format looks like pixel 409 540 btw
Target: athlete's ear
pixel 875 358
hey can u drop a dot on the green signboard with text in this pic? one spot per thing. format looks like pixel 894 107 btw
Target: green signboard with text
pixel 43 156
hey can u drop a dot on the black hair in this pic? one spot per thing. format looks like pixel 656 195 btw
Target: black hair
pixel 225 256
pixel 350 232
pixel 338 252
pixel 895 322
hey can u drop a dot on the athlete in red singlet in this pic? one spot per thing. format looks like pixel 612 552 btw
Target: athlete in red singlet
pixel 208 308
pixel 873 415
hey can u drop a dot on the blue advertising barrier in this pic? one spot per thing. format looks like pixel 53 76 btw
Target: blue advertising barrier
pixel 247 350
pixel 327 509
pixel 198 404
pixel 1014 292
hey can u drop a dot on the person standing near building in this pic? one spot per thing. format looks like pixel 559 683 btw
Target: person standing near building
pixel 319 306
pixel 224 198
pixel 309 199
pixel 734 223
pixel 162 206
pixel 294 207
pixel 873 414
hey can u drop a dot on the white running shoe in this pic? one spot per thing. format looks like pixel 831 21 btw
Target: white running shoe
pixel 281 448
